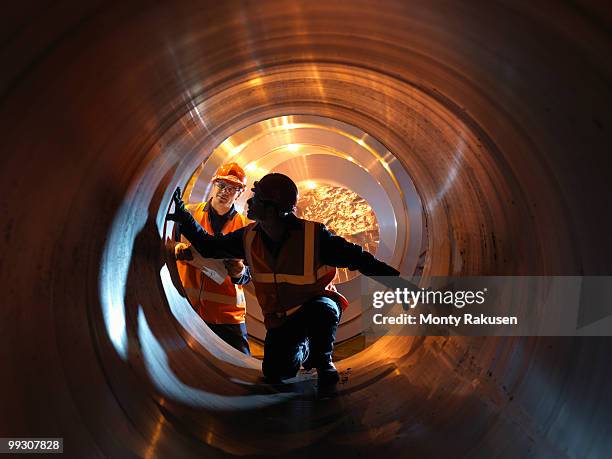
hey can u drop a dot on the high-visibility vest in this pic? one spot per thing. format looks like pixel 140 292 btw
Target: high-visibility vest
pixel 296 275
pixel 216 303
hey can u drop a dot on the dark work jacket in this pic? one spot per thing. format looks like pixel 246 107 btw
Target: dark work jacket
pixel 334 250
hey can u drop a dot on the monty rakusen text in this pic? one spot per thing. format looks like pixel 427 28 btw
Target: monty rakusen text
pixel 411 298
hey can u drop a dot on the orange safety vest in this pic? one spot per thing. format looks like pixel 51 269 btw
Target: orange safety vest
pixel 216 303
pixel 297 274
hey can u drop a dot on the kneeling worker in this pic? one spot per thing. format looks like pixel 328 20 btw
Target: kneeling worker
pixel 292 263
pixel 218 297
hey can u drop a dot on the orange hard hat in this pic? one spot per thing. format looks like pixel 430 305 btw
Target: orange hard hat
pixel 231 172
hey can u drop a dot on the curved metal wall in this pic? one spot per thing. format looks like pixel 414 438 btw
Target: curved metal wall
pixel 499 111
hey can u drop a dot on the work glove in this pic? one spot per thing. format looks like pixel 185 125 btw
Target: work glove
pixel 181 214
pixel 183 252
pixel 235 268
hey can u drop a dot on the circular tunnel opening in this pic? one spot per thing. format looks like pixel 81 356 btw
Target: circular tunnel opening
pixel 347 179
pixel 453 164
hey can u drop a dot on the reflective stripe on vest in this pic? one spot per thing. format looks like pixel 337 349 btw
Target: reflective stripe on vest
pixel 304 279
pixel 216 297
pixel 286 281
pixel 308 276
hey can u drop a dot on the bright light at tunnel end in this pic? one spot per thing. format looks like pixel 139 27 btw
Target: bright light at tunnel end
pixel 328 154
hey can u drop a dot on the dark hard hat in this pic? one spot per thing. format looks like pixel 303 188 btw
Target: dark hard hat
pixel 278 189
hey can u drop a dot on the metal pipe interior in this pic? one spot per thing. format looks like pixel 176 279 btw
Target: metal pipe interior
pixel 498 112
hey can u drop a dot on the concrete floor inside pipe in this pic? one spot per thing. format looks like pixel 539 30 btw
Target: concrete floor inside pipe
pixel 499 115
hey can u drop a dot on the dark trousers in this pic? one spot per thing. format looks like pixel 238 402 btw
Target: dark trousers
pixel 233 334
pixel 312 329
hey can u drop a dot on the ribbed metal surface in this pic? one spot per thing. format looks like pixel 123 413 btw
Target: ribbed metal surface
pixel 500 114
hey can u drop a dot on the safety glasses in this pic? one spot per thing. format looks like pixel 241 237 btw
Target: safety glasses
pixel 226 187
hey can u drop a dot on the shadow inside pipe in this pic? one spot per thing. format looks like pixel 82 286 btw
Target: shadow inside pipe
pixel 158 346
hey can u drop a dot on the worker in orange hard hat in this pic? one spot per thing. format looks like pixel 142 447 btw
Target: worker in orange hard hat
pixel 292 263
pixel 215 290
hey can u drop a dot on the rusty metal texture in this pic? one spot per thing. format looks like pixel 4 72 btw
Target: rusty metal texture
pixel 343 212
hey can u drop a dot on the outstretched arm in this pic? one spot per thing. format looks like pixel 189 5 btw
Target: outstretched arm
pixel 337 251
pixel 227 246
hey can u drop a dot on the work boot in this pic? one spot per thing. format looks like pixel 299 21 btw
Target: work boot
pixel 327 374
